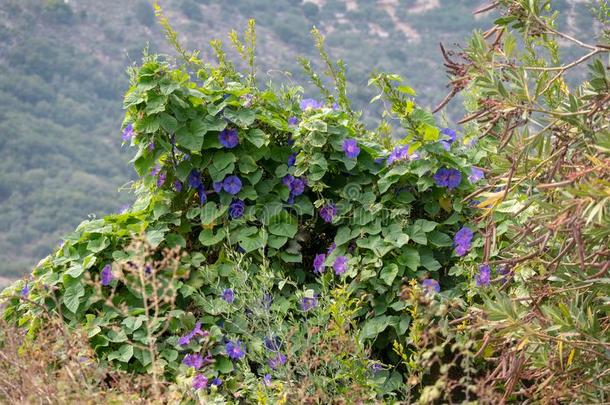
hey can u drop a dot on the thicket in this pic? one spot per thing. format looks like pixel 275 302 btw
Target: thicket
pixel 279 251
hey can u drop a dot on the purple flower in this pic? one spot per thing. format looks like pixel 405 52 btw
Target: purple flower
pixel 351 149
pixel 297 186
pixel 194 179
pixel 186 339
pixel 228 295
pixel 484 276
pixel 340 265
pixel 310 104
pixel 217 186
pixel 106 275
pixel 476 174
pixel 450 178
pixel 216 382
pixel 335 106
pixel 332 247
pixel 155 170
pixel 178 185
pixel 231 184
pixel 328 212
pixel 272 343
pixel 236 209
pixel 287 180
pixel 160 179
pixel 431 286
pixel 318 263
pixel 202 196
pixel 399 154
pixel 449 133
pixel 151 146
pixel 235 350
pixel 308 303
pixel 292 159
pixel 128 133
pixel 200 381
pixel 25 291
pixel 193 360
pixel 446 145
pixel 462 240
pixel 292 121
pixel 277 361
pixel 228 138
pixel 267 380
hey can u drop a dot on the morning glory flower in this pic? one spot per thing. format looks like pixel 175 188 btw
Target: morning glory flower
pixel 462 241
pixel 340 265
pixel 308 303
pixel 200 381
pixel 217 382
pixel 267 380
pixel 476 174
pixel 193 360
pixel 228 295
pixel 228 138
pixel 297 186
pixel 231 184
pixel 318 263
pixel 431 286
pixel 236 209
pixel 292 159
pixel 272 343
pixel 328 212
pixel 202 196
pixel 194 179
pixel 25 291
pixel 292 121
pixel 277 361
pixel 235 350
pixel 186 339
pixel 449 133
pixel 106 275
pixel 128 133
pixel 310 104
pixel 178 186
pixel 484 276
pixel 160 179
pixel 401 153
pixel 450 178
pixel 351 149
pixel 151 146
pixel 217 186
pixel 332 247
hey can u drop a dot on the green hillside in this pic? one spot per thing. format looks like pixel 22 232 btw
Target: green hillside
pixel 62 71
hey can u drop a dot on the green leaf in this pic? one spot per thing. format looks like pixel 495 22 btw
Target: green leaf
pixel 389 273
pixel 224 365
pixel 98 244
pixel 257 137
pixel 283 224
pixel 242 118
pixel 168 123
pixel 409 257
pixel 124 354
pixel 373 327
pixel 155 104
pixel 207 237
pixel 72 296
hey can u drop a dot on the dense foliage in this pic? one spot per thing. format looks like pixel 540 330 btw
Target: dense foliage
pixel 61 72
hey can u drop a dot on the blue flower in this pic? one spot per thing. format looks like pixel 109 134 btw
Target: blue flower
pixel 25 291
pixel 484 276
pixel 272 343
pixel 106 275
pixel 186 339
pixel 193 360
pixel 292 159
pixel 462 241
pixel 194 179
pixel 267 380
pixel 449 133
pixel 401 153
pixel 200 381
pixel 476 174
pixel 308 303
pixel 178 185
pixel 318 263
pixel 340 265
pixel 450 178
pixel 128 133
pixel 202 195
pixel 351 149
pixel 217 382
pixel 297 186
pixel 328 212
pixel 228 138
pixel 231 184
pixel 217 186
pixel 310 104
pixel 431 286
pixel 228 295
pixel 292 121
pixel 236 209
pixel 235 350
pixel 277 361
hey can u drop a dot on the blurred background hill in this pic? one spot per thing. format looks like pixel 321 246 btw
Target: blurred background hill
pixel 62 75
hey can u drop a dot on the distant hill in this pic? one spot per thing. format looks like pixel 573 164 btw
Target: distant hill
pixel 62 76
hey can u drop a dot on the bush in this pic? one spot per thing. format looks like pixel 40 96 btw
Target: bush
pixel 271 237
